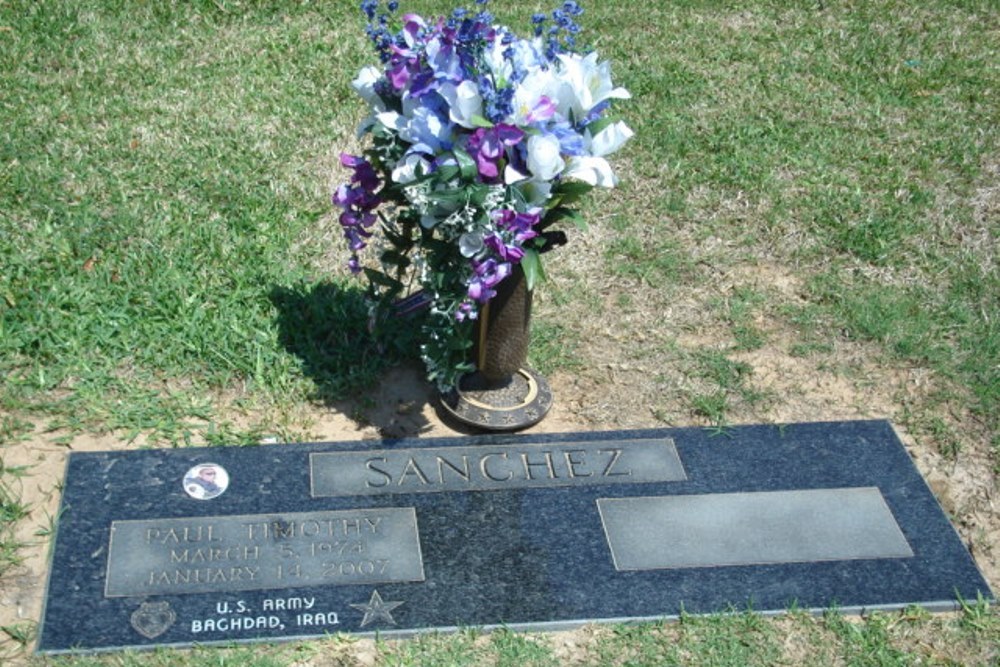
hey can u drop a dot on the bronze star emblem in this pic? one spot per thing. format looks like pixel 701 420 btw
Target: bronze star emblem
pixel 377 610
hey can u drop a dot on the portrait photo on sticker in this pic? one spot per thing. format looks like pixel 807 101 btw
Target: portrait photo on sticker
pixel 206 481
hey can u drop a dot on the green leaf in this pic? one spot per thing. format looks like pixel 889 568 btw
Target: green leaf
pixel 445 197
pixel 397 240
pixel 395 258
pixel 560 213
pixel 380 278
pixel 569 192
pixel 466 164
pixel 480 121
pixel 599 125
pixel 534 273
pixel 446 173
pixel 477 194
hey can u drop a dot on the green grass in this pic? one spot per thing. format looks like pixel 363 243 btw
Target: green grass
pixel 162 172
pixel 740 639
pixel 164 179
pixel 12 510
pixel 168 256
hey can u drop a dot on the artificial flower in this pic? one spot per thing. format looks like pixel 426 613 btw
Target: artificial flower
pixel 480 139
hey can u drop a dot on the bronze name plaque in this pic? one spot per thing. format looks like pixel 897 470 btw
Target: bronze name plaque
pixel 494 467
pixel 263 551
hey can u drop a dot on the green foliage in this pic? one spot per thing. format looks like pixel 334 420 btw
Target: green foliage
pixel 731 381
pixel 869 642
pixel 435 649
pixel 736 639
pixel 515 649
pixel 11 511
pixel 739 313
pixel 553 347
pixel 154 192
pixel 163 170
pixel 325 326
pixel 657 263
pixel 257 656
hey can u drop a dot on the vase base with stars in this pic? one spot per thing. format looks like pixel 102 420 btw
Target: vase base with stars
pixel 511 404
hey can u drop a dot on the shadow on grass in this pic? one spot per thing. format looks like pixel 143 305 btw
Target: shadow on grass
pixel 325 325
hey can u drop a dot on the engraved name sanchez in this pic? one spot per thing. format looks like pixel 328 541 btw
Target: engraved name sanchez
pixel 494 467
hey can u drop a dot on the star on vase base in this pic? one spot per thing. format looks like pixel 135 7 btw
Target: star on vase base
pixel 377 609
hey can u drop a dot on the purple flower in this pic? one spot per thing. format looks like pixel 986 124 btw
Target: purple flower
pixel 486 275
pixel 488 147
pixel 403 65
pixel 544 110
pixel 508 253
pixel 466 310
pixel 520 224
pixel 364 174
pixel 359 201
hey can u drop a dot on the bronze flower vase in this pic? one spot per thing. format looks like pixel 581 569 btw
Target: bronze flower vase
pixel 503 394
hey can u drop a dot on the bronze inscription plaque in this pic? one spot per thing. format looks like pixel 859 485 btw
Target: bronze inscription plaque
pixel 263 551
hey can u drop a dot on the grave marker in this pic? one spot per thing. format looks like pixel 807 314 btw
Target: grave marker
pixel 221 545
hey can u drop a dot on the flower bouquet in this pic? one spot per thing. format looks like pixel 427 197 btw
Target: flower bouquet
pixel 480 142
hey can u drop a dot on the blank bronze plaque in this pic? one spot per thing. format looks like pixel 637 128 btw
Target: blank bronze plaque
pixel 715 529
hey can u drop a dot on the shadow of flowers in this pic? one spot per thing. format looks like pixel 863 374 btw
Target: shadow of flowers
pixel 326 326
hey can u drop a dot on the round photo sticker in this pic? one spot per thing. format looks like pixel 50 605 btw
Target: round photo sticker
pixel 206 481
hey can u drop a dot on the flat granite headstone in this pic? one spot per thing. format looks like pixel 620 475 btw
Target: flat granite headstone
pixel 221 545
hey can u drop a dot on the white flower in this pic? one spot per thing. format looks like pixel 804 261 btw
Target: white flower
pixel 417 194
pixel 592 170
pixel 411 167
pixel 608 140
pixel 494 197
pixel 464 102
pixel 425 130
pixel 544 160
pixel 512 175
pixel 391 120
pixel 535 97
pixel 365 85
pixel 497 62
pixel 586 83
pixel 529 54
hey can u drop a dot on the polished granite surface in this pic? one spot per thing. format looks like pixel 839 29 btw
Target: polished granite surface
pixel 207 545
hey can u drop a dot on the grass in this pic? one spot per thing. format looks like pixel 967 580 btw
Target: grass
pixel 170 268
pixel 154 203
pixel 12 510
pixel 741 639
pixel 165 198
